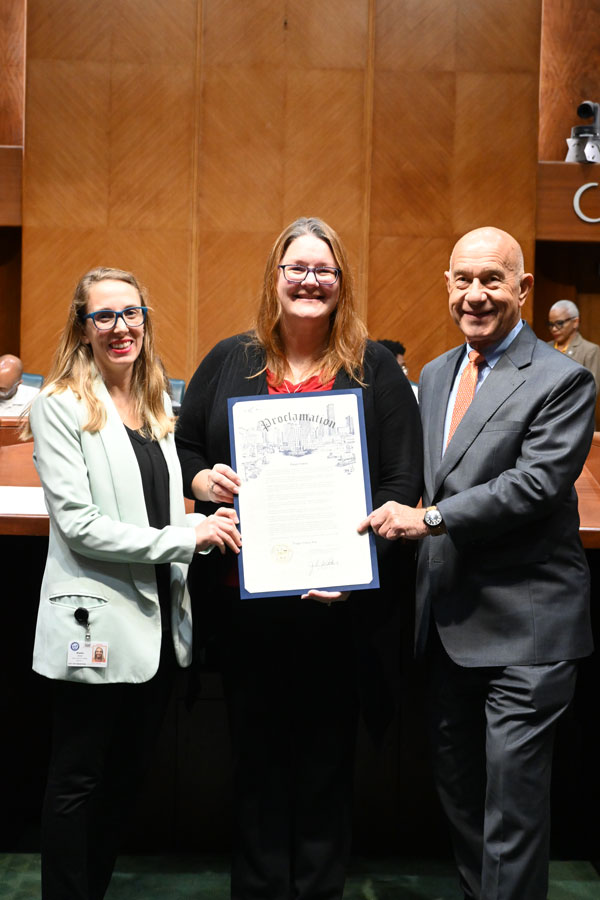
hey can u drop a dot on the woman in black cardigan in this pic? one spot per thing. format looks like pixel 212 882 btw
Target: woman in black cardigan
pixel 294 668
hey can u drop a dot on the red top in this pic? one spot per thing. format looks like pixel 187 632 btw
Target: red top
pixel 303 387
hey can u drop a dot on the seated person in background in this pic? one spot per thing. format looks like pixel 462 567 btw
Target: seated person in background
pixel 563 322
pixel 14 396
pixel 399 350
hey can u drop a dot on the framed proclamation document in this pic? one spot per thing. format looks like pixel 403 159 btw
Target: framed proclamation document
pixel 302 460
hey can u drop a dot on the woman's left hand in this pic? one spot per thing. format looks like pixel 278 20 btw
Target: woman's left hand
pixel 327 597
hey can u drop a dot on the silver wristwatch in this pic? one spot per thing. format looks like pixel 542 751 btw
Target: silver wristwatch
pixel 434 521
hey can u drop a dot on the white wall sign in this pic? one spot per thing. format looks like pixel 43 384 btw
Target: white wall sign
pixel 577 204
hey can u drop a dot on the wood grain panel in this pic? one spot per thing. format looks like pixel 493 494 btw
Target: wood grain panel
pixel 12 98
pixel 153 31
pixel 12 33
pixel 412 164
pixel 502 36
pixel 150 187
pixel 11 165
pixel 12 71
pixel 408 300
pixel 242 159
pixel 324 176
pixel 70 29
pixel 417 35
pixel 330 35
pixel 243 34
pixel 68 106
pixel 570 54
pixel 495 168
pixel 589 312
pixel 231 267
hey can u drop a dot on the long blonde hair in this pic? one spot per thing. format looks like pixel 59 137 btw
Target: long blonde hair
pixel 347 333
pixel 73 364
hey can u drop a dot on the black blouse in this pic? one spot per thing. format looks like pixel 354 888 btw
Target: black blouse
pixel 155 482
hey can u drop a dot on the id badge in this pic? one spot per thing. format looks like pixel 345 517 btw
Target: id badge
pixel 93 655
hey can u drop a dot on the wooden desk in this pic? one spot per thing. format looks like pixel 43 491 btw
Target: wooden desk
pixel 17 469
pixel 588 492
pixel 10 427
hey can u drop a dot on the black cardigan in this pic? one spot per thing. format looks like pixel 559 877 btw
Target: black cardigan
pixel 393 426
pixel 394 446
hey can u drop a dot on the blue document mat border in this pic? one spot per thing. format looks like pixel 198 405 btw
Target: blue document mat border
pixel 374 583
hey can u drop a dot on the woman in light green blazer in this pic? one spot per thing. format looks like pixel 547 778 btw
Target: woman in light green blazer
pixel 114 617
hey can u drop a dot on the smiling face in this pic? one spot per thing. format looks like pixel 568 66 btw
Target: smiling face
pixel 114 351
pixel 308 300
pixel 486 286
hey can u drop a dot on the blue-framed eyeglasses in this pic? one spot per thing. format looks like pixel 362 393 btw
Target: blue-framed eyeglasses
pixel 106 319
pixel 324 275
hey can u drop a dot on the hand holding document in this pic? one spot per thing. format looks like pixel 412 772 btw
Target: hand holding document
pixel 305 487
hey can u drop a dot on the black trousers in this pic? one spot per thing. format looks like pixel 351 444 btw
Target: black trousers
pixel 492 737
pixel 102 740
pixel 290 685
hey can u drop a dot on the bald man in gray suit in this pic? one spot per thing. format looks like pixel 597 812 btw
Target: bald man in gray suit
pixel 503 584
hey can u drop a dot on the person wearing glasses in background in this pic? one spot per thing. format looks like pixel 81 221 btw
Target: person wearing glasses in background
pixel 120 544
pixel 563 322
pixel 294 666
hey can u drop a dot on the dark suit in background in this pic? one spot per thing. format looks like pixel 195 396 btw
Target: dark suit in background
pixel 503 590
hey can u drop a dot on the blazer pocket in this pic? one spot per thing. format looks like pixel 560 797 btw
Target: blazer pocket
pixel 74 601
pixel 88 596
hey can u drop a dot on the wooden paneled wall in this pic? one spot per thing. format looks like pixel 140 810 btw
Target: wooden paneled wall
pixel 12 71
pixel 177 138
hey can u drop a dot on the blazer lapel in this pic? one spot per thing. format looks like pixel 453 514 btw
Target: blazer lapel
pixel 503 380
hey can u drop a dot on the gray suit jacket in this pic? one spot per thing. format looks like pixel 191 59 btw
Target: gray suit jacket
pixel 508 584
pixel 102 551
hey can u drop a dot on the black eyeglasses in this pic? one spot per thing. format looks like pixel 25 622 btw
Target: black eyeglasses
pixel 106 319
pixel 324 275
pixel 560 322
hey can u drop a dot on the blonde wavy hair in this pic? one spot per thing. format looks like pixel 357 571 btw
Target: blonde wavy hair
pixel 73 364
pixel 347 333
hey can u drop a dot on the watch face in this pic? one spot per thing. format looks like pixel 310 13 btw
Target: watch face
pixel 433 517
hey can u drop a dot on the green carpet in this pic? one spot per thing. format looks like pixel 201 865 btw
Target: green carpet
pixel 191 878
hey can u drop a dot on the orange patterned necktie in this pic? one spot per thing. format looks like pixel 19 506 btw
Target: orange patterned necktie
pixel 466 390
